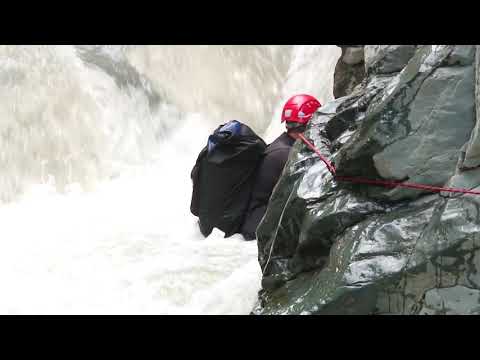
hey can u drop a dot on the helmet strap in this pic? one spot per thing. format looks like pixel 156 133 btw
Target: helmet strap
pixel 293 132
pixel 294 126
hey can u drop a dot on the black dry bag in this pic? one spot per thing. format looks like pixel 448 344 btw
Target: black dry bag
pixel 223 177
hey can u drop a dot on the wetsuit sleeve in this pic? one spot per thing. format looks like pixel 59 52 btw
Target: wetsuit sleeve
pixel 268 175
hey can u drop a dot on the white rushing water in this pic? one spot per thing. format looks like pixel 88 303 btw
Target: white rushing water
pixel 96 148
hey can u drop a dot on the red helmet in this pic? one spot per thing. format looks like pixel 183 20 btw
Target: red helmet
pixel 300 108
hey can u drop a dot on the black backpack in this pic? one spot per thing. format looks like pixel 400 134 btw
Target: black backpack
pixel 223 177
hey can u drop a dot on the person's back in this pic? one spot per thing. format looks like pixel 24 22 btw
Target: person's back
pixel 296 113
pixel 268 173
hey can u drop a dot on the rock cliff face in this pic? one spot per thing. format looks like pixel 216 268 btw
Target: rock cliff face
pixel 350 70
pixel 334 247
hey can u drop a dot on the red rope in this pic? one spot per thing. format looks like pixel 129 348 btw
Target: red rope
pixel 386 183
pixel 405 185
pixel 330 167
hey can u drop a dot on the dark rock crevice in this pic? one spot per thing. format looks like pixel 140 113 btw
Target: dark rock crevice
pixel 349 71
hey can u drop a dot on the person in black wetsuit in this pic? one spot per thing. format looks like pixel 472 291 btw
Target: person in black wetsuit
pixel 296 113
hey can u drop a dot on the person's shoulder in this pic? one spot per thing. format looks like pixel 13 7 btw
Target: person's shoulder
pixel 282 143
pixel 279 152
pixel 278 149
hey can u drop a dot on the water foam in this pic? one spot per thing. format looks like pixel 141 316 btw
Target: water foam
pixel 128 245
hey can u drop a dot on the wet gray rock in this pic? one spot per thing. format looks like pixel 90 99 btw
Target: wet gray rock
pixel 455 300
pixel 352 55
pixel 419 127
pixel 472 156
pixel 386 59
pixel 328 246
